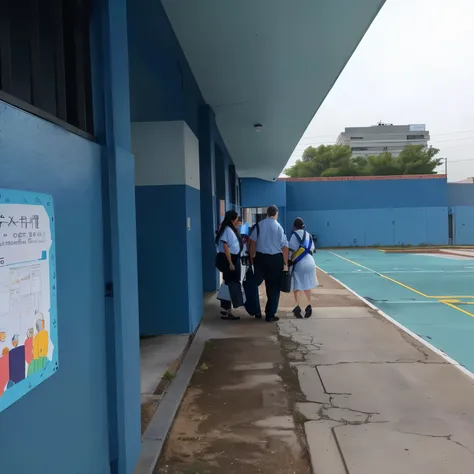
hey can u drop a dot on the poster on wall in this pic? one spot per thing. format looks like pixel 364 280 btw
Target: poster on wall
pixel 28 311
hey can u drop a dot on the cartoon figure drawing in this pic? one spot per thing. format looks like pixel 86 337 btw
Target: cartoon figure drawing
pixel 29 346
pixel 40 346
pixel 4 370
pixel 3 336
pixel 17 361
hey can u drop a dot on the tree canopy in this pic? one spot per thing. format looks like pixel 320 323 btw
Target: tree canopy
pixel 337 160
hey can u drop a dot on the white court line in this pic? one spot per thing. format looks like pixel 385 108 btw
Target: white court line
pixel 437 351
pixel 388 272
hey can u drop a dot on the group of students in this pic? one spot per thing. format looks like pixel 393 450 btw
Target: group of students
pixel 269 254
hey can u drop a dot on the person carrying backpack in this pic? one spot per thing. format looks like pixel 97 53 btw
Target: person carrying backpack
pixel 268 252
pixel 304 277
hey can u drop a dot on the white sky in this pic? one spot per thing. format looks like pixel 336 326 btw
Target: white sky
pixel 414 65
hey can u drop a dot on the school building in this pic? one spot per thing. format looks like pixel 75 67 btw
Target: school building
pixel 141 118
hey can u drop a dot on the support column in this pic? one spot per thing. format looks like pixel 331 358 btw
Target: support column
pixel 112 125
pixel 207 170
pixel 168 227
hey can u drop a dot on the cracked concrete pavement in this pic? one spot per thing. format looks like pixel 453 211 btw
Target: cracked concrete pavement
pixel 377 401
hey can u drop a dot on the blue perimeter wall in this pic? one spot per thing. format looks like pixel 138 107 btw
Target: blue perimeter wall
pixel 370 212
pixel 461 203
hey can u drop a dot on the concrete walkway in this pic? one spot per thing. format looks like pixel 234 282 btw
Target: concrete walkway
pixel 376 400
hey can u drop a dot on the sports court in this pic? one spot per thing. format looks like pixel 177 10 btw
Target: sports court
pixel 431 294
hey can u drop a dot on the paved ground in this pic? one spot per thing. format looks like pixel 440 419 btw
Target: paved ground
pixel 238 415
pixel 370 399
pixel 157 356
pixel 376 400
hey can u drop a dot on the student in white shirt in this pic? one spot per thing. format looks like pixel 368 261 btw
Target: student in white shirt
pixel 229 247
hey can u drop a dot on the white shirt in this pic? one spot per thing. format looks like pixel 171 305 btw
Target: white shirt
pixel 229 237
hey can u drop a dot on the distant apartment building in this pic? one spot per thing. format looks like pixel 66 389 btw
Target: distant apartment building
pixel 383 137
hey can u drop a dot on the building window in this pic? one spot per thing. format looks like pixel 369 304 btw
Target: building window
pixel 415 137
pixel 45 59
pixel 359 148
pixel 356 138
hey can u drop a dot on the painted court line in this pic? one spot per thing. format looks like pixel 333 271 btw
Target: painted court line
pixel 389 272
pixel 442 354
pixel 451 305
pixel 442 297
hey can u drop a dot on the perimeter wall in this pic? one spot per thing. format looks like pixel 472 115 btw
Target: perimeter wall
pixel 371 211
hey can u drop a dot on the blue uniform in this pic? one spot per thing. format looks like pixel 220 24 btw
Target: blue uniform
pixel 270 239
pixel 229 237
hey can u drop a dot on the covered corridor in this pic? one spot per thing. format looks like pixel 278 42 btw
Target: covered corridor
pixel 139 119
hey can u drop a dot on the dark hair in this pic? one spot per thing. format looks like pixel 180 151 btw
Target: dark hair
pixel 229 218
pixel 272 211
pixel 298 224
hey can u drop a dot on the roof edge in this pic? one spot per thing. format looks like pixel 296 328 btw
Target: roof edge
pixel 370 178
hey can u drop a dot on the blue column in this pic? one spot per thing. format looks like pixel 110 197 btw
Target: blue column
pixel 111 89
pixel 207 170
pixel 168 227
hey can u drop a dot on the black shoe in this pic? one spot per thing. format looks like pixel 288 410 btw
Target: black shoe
pixel 297 312
pixel 258 316
pixel 229 316
pixel 308 312
pixel 272 319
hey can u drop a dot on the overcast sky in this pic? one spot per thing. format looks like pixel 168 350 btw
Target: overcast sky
pixel 414 65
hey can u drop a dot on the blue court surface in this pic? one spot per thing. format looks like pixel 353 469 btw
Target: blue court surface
pixel 430 294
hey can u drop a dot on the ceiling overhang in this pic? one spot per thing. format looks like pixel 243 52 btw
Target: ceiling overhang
pixel 268 62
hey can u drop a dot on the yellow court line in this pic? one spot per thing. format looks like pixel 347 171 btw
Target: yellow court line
pixel 443 297
pixel 381 274
pixel 402 284
pixel 459 309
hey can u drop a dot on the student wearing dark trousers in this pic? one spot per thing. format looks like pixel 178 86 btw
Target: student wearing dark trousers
pixel 229 247
pixel 269 255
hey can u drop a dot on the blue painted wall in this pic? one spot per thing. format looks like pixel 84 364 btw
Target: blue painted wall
pixel 162 85
pixel 370 212
pixel 163 88
pixel 70 171
pixel 110 89
pixel 260 193
pixel 366 194
pixel 463 220
pixel 367 227
pixel 195 261
pixel 169 259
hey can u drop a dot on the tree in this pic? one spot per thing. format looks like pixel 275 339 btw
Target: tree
pixel 337 160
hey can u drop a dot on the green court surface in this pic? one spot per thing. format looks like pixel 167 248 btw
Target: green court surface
pixel 430 294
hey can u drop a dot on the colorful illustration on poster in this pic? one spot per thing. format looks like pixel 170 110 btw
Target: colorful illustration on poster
pixel 28 311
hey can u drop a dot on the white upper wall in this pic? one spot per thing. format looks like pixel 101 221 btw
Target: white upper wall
pixel 166 153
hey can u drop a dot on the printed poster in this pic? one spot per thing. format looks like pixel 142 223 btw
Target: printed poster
pixel 28 311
